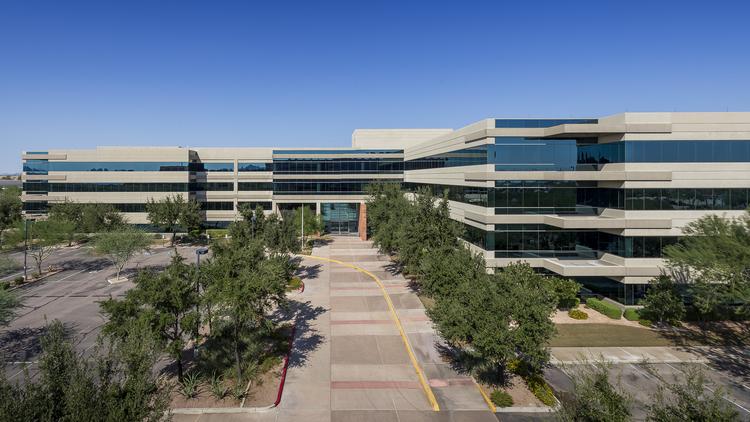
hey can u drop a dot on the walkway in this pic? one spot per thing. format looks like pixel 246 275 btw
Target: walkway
pixel 356 365
pixel 350 362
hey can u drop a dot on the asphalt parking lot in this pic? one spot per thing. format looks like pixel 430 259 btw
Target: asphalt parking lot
pixel 641 385
pixel 70 296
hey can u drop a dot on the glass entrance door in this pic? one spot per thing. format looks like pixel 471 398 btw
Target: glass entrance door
pixel 340 219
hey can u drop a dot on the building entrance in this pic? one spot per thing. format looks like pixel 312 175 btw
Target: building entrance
pixel 340 219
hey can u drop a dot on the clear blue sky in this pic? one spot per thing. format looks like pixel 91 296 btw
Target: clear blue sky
pixel 221 73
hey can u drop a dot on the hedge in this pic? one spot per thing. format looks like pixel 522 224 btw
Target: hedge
pixel 631 314
pixel 605 308
pixel 501 399
pixel 577 314
pixel 645 322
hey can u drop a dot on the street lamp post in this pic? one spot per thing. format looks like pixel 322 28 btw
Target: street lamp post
pixel 198 253
pixel 25 247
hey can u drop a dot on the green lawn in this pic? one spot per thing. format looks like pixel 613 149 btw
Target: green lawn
pixel 606 335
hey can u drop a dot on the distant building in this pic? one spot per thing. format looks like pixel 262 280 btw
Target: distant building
pixel 592 199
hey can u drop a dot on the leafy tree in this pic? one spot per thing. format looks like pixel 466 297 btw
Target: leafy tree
pixel 594 398
pixel 689 400
pixel 280 236
pixel 246 285
pixel 444 269
pixel 531 303
pixel 428 227
pixel 120 246
pixel 715 252
pixel 662 302
pixel 10 207
pixel 312 223
pixel 116 385
pixel 388 211
pixel 166 300
pixel 252 224
pixel 87 217
pixel 44 237
pixel 566 291
pixel 8 305
pixel 172 212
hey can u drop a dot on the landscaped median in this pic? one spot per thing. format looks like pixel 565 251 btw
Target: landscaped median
pixel 217 394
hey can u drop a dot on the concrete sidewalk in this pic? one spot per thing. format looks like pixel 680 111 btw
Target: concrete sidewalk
pixel 660 354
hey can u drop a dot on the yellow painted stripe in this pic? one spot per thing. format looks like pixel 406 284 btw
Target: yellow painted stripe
pixel 486 398
pixel 420 374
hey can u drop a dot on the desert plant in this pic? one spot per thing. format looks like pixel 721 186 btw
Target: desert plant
pixel 541 389
pixel 501 399
pixel 189 385
pixel 238 391
pixel 218 388
pixel 294 284
pixel 577 314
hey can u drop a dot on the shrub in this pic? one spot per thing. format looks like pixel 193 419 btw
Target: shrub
pixel 501 399
pixel 217 233
pixel 189 385
pixel 645 322
pixel 4 285
pixel 18 280
pixel 605 308
pixel 577 314
pixel 294 284
pixel 631 314
pixel 541 390
pixel 218 389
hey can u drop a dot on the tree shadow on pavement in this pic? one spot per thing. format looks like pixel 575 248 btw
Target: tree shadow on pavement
pixel 24 344
pixel 308 272
pixel 307 339
pixel 467 363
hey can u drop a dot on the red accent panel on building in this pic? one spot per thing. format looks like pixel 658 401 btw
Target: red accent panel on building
pixel 362 221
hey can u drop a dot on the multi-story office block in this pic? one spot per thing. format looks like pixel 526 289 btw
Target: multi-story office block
pixel 592 199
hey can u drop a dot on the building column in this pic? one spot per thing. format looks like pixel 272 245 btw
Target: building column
pixel 317 208
pixel 362 221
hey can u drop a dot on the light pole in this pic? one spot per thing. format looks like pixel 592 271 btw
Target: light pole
pixel 252 219
pixel 25 247
pixel 198 253
pixel 303 226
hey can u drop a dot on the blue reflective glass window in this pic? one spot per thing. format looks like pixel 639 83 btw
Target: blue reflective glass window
pixel 116 166
pixel 242 167
pixel 212 167
pixel 36 166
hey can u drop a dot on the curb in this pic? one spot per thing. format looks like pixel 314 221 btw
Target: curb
pixel 286 365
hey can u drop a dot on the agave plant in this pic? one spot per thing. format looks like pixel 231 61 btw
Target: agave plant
pixel 218 388
pixel 189 385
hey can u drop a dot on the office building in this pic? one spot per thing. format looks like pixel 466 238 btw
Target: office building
pixel 594 199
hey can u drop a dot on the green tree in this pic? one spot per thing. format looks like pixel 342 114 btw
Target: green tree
pixel 714 260
pixel 594 398
pixel 689 400
pixel 566 291
pixel 662 302
pixel 280 235
pixel 166 300
pixel 44 237
pixel 252 224
pixel 388 211
pixel 116 384
pixel 87 217
pixel 172 212
pixel 246 285
pixel 531 302
pixel 443 270
pixel 427 228
pixel 121 246
pixel 312 223
pixel 10 207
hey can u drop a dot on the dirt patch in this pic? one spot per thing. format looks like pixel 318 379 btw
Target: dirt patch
pixel 262 392
pixel 516 387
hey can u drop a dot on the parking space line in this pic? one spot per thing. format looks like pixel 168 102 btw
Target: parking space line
pixel 724 396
